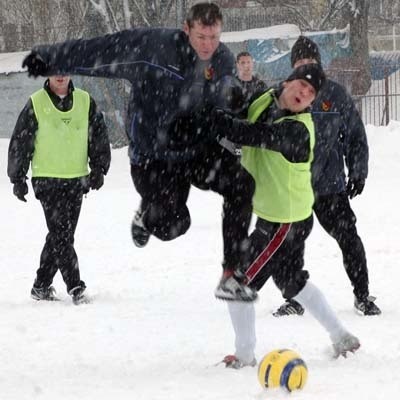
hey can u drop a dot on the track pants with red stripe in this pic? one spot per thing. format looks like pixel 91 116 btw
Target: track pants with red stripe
pixel 277 250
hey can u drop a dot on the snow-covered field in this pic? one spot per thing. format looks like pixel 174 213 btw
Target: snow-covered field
pixel 154 330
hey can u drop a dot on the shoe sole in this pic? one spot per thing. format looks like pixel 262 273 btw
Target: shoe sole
pixel 41 299
pixel 84 300
pixel 140 245
pixel 232 298
pixel 362 313
pixel 276 315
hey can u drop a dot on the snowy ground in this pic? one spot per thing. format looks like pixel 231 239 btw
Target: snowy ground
pixel 154 330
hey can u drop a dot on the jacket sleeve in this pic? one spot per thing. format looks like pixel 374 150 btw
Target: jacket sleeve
pixel 116 55
pixel 291 138
pixel 99 145
pixel 21 147
pixel 354 140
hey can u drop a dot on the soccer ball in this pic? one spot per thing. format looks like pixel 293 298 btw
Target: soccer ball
pixel 283 368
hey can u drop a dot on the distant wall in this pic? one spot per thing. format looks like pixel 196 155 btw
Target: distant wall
pixel 15 90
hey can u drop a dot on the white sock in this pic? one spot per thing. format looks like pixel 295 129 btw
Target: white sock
pixel 315 302
pixel 244 324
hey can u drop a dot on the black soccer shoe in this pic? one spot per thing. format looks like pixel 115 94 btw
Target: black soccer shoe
pixel 47 294
pixel 232 287
pixel 78 295
pixel 367 306
pixel 289 307
pixel 140 235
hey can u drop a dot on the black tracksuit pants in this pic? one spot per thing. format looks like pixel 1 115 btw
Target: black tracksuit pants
pixel 164 188
pixel 277 250
pixel 338 219
pixel 61 200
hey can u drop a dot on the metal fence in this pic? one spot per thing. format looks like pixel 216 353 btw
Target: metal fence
pixel 382 101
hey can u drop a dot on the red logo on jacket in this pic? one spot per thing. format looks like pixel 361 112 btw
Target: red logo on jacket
pixel 208 73
pixel 326 105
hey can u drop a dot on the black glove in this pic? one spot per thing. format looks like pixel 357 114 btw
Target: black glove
pixel 35 64
pixel 20 189
pixel 221 122
pixel 355 187
pixel 96 179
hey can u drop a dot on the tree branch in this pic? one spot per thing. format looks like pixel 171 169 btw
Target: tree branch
pixel 111 11
pixel 141 13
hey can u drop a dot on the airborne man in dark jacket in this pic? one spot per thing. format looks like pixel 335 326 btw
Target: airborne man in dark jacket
pixel 176 76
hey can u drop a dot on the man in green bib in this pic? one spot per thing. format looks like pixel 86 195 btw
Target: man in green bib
pixel 278 140
pixel 60 134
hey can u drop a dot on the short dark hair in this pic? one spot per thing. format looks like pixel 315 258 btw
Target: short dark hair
pixel 207 14
pixel 242 54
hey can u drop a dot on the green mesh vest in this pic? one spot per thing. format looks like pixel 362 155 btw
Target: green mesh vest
pixel 61 143
pixel 283 189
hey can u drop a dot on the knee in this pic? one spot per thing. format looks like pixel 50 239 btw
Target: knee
pixel 241 191
pixel 166 224
pixel 292 286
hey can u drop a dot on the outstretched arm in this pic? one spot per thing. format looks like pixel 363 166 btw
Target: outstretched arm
pixel 115 55
pixel 289 137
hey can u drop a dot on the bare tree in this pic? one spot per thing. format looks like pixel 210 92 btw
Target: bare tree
pixel 123 14
pixel 384 24
pixel 310 15
pixel 327 14
pixel 37 21
pixel 358 15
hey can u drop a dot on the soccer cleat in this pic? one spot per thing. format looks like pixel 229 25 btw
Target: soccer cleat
pixel 78 295
pixel 348 343
pixel 47 294
pixel 232 287
pixel 231 361
pixel 367 306
pixel 140 235
pixel 290 307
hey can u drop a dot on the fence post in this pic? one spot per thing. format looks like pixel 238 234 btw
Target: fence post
pixel 387 96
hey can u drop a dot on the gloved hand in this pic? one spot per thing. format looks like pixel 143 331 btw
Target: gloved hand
pixel 20 189
pixel 355 187
pixel 35 64
pixel 221 122
pixel 96 179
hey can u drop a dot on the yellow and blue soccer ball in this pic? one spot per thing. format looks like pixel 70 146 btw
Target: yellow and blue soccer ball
pixel 284 368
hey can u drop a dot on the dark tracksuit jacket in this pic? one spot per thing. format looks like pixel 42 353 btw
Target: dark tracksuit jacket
pixel 341 140
pixel 168 90
pixel 249 88
pixel 61 199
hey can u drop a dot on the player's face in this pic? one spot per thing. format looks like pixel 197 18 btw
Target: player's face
pixel 204 39
pixel 245 67
pixel 297 95
pixel 59 84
